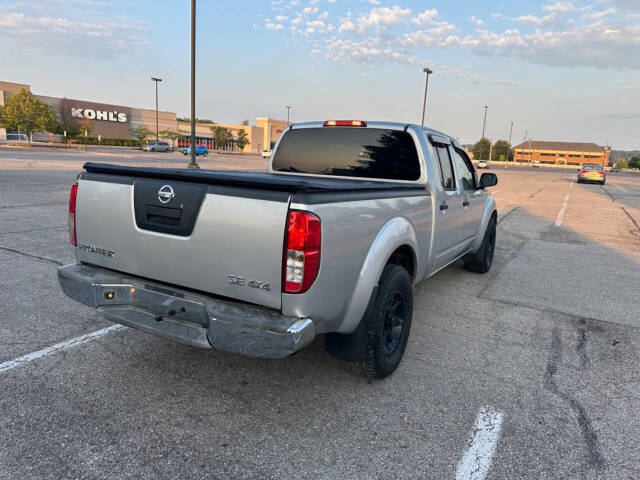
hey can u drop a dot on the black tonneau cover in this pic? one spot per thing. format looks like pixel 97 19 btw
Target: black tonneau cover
pixel 256 180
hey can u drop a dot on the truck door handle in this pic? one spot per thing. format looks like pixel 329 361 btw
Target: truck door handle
pixel 444 206
pixel 465 203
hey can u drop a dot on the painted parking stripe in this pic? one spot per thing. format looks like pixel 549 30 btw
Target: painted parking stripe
pixel 562 210
pixel 30 357
pixel 476 462
pixel 621 188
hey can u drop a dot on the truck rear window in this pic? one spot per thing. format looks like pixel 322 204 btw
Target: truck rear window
pixel 348 152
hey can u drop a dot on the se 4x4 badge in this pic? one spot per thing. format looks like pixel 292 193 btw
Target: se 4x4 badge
pixel 241 282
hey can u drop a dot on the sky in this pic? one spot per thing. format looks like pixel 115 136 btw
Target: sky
pixel 559 70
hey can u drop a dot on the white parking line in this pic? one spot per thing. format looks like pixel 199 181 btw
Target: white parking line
pixel 571 185
pixel 621 188
pixel 476 461
pixel 562 210
pixel 29 357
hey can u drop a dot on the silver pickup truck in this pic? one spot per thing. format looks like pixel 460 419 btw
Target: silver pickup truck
pixel 329 240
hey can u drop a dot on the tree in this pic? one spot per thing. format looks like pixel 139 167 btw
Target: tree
pixel 85 126
pixel 172 135
pixel 500 149
pixel 481 149
pixel 634 162
pixel 245 122
pixel 242 140
pixel 66 123
pixel 25 113
pixel 621 164
pixel 221 136
pixel 140 134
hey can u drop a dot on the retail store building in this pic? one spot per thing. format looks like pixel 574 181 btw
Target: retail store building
pixel 111 121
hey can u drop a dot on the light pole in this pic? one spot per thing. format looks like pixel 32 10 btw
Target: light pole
pixel 192 162
pixel 506 160
pixel 484 126
pixel 428 71
pixel 288 109
pixel 155 79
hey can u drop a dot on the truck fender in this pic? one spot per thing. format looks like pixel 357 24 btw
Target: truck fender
pixel 489 208
pixel 396 233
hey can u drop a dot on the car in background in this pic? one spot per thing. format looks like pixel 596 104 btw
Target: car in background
pixel 592 172
pixel 482 164
pixel 266 153
pixel 200 150
pixel 156 147
pixel 614 170
pixel 536 164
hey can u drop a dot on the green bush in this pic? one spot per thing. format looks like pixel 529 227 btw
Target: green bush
pixel 116 142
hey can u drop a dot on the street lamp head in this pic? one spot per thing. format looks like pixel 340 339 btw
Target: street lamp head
pixel 428 71
pixel 155 79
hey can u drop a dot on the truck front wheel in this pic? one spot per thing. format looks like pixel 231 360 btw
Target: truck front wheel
pixel 481 261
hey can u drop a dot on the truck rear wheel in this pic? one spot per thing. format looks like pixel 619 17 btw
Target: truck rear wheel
pixel 481 261
pixel 388 323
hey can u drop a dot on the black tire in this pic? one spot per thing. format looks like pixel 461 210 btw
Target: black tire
pixel 481 261
pixel 603 181
pixel 388 323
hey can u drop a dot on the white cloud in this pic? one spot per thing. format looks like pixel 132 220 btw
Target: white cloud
pixel 99 36
pixel 383 16
pixel 559 7
pixel 269 25
pixel 532 19
pixel 280 18
pixel 346 26
pixel 560 33
pixel 427 16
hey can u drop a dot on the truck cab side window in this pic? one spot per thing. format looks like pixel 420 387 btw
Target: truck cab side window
pixel 465 169
pixel 446 168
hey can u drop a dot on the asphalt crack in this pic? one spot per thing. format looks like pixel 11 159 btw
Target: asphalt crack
pixel 633 220
pixel 595 459
pixel 13 250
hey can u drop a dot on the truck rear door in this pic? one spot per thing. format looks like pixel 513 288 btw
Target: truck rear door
pixel 218 239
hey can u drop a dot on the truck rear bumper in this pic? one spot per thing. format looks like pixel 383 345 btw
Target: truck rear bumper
pixel 184 316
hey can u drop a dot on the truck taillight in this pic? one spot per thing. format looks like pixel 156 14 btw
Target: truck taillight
pixel 72 215
pixel 301 261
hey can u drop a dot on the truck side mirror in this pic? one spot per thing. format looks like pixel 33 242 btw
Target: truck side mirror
pixel 488 180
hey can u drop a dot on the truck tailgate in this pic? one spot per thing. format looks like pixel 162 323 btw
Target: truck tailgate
pixel 221 239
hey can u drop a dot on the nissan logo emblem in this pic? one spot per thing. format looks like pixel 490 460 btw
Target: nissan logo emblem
pixel 165 194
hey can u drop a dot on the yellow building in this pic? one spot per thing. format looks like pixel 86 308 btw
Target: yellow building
pixel 261 136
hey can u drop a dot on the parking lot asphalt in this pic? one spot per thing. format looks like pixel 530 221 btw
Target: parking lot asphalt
pixel 530 371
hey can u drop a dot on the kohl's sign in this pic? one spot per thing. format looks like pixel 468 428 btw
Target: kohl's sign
pixel 107 116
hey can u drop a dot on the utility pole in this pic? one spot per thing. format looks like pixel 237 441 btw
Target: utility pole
pixel 288 109
pixel 484 126
pixel 192 163
pixel 506 159
pixel 428 71
pixel 155 79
